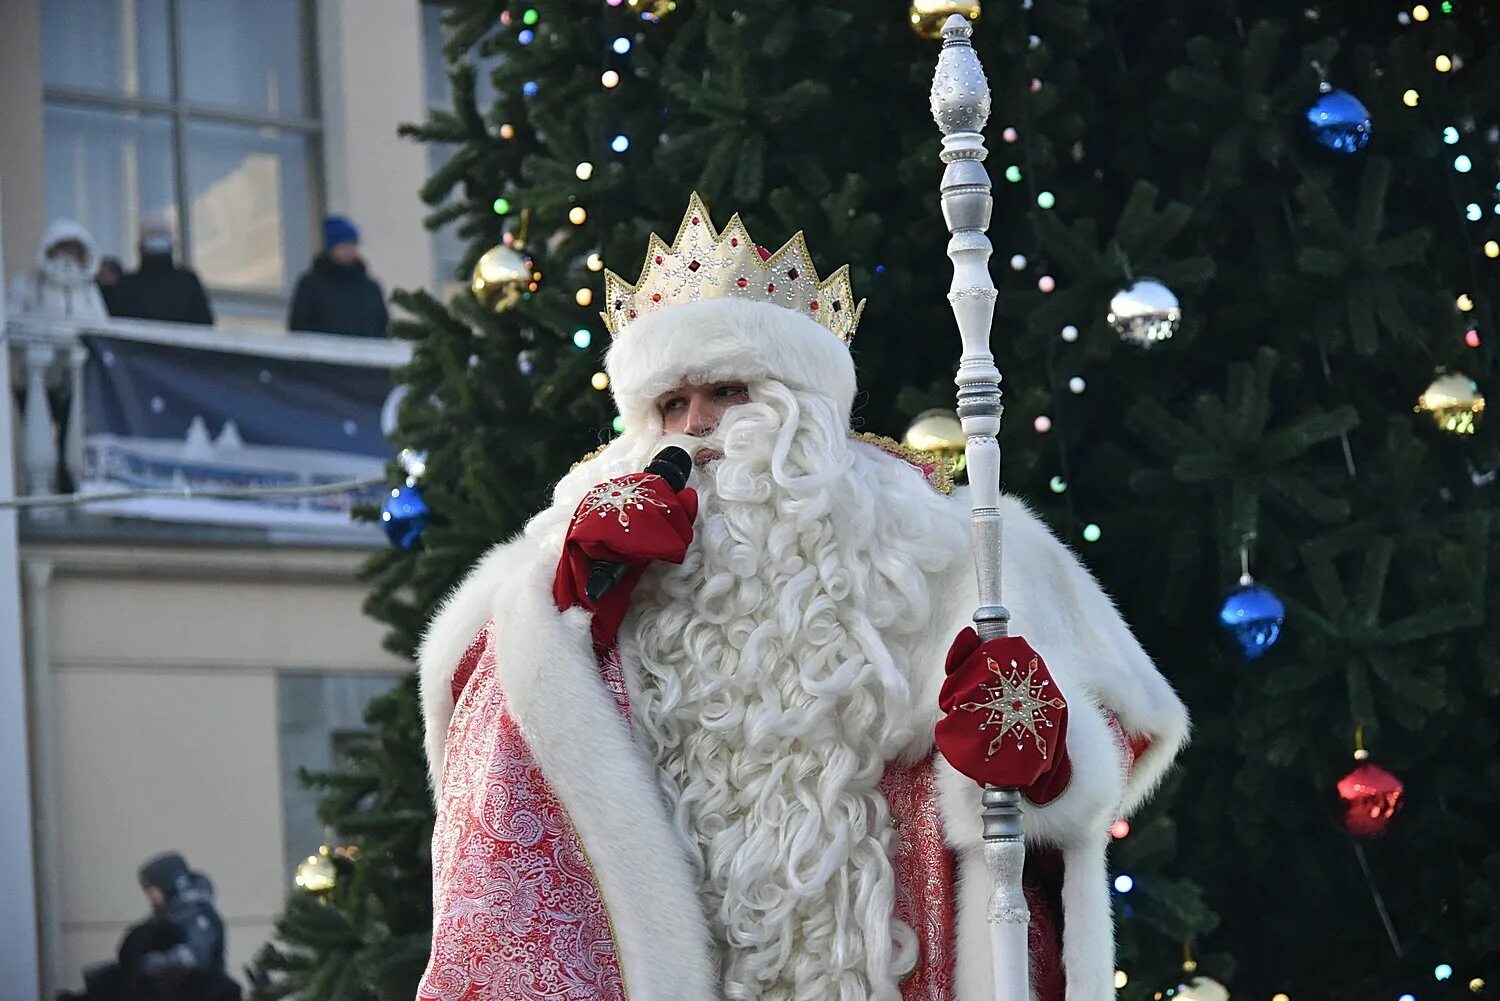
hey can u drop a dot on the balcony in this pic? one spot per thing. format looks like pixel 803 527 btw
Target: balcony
pixel 131 429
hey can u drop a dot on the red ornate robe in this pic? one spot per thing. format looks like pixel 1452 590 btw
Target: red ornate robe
pixel 558 875
pixel 517 910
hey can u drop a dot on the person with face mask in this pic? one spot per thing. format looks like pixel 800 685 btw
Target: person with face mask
pixel 61 285
pixel 159 289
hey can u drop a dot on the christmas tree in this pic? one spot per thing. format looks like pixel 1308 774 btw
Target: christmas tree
pixel 1299 206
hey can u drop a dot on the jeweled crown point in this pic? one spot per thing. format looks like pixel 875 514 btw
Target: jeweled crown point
pixel 705 263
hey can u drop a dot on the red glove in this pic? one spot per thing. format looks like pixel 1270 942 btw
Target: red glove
pixel 1005 722
pixel 634 520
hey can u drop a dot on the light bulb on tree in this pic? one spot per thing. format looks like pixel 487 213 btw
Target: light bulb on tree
pixel 610 79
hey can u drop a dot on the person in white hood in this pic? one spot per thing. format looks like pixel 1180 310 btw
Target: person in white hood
pixel 61 284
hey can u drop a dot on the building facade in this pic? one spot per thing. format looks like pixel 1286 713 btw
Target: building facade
pixel 161 682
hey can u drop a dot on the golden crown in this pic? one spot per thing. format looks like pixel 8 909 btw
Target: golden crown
pixel 705 264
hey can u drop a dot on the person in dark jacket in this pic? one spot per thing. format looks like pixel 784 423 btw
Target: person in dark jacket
pixel 175 954
pixel 159 289
pixel 337 295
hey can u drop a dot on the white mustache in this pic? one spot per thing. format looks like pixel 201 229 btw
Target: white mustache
pixel 691 444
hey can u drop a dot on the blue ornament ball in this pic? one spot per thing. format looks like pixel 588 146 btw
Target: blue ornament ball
pixel 1252 616
pixel 1338 121
pixel 404 516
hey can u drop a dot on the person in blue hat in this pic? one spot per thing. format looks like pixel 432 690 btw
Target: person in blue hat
pixel 337 295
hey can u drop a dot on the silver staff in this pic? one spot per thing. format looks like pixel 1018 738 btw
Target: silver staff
pixel 961 106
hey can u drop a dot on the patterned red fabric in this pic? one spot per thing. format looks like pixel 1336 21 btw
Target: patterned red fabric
pixel 924 878
pixel 517 914
pixel 1005 722
pixel 634 520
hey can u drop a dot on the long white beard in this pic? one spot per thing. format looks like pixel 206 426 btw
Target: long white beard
pixel 772 691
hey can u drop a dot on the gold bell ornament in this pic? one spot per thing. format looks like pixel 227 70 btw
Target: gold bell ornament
pixel 501 276
pixel 1454 403
pixel 938 432
pixel 317 873
pixel 928 16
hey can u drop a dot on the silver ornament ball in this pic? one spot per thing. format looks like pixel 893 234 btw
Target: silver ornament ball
pixel 1146 313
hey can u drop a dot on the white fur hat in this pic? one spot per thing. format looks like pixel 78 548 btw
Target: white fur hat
pixel 721 340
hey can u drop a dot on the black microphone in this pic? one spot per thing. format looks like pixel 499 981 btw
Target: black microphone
pixel 673 465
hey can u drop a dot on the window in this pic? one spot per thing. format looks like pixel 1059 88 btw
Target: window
pixel 320 719
pixel 203 111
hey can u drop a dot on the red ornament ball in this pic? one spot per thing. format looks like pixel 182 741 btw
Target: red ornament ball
pixel 1370 796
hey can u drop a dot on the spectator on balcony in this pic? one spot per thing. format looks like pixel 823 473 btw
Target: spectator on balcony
pixel 110 273
pixel 159 289
pixel 337 295
pixel 61 284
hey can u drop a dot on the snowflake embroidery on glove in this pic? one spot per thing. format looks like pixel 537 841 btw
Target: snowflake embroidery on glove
pixel 619 499
pixel 1017 704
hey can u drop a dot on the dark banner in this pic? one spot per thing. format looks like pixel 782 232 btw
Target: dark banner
pixel 161 416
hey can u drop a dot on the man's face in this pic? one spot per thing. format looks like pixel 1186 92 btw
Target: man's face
pixel 156 896
pixel 696 409
pixel 344 253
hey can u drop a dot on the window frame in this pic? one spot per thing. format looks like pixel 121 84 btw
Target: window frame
pixel 180 112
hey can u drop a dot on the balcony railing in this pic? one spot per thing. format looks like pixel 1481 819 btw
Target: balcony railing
pixel 87 426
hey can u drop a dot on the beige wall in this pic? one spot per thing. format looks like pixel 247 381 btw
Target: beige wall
pixel 161 666
pixel 21 131
pixel 370 66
